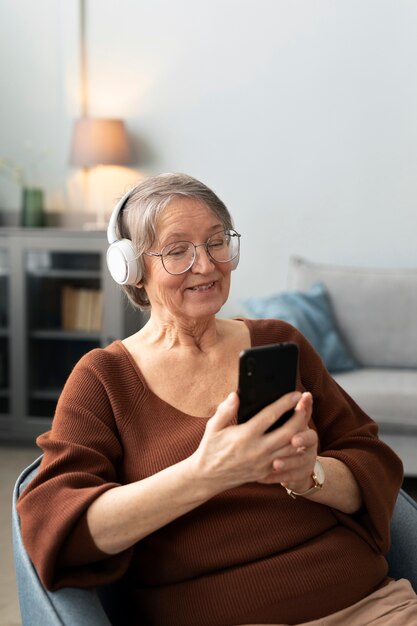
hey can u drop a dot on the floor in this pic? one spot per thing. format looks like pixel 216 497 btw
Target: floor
pixel 12 461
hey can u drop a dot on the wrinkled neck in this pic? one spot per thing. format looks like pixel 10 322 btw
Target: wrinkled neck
pixel 200 335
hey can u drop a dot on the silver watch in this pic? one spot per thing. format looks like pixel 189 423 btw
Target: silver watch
pixel 318 477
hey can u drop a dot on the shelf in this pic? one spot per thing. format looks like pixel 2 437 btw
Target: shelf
pixel 45 394
pixel 65 335
pixel 56 304
pixel 66 274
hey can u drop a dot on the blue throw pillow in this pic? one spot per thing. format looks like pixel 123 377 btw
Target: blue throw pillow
pixel 311 313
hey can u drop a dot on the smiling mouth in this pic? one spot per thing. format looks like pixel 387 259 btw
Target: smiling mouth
pixel 202 287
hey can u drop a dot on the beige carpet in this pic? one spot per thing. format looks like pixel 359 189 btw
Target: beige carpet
pixel 12 461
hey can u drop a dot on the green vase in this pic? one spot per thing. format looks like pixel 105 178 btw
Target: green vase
pixel 32 207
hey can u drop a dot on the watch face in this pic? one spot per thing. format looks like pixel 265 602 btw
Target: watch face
pixel 319 472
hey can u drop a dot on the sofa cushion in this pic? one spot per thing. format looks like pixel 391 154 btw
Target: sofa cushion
pixel 311 313
pixel 375 310
pixel 388 396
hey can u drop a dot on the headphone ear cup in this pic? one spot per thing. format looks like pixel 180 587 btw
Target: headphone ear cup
pixel 123 263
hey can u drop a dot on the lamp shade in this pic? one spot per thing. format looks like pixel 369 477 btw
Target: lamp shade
pixel 99 142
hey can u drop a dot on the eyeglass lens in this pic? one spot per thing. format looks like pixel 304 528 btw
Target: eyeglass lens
pixel 222 247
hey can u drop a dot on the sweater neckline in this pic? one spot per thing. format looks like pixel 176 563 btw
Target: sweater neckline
pixel 119 344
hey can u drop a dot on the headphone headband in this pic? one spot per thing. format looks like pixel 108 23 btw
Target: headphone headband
pixel 111 228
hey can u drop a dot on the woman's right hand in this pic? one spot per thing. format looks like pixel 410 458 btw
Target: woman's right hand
pixel 230 455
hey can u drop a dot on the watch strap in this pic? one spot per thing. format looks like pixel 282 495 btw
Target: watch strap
pixel 318 483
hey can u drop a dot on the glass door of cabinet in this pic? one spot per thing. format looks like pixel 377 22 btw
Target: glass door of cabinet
pixel 4 333
pixel 64 301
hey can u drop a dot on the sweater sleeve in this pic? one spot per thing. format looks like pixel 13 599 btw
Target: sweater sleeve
pixel 347 433
pixel 81 455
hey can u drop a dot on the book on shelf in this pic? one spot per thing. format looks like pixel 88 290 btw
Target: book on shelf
pixel 81 309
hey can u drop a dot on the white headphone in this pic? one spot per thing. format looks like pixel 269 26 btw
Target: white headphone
pixel 122 259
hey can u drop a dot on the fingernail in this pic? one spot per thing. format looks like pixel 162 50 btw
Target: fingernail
pixel 230 398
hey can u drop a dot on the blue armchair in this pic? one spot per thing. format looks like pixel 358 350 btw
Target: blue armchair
pixel 100 607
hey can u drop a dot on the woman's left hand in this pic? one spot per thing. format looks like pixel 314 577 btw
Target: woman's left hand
pixel 294 464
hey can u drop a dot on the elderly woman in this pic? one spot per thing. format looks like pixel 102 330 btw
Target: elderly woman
pixel 148 478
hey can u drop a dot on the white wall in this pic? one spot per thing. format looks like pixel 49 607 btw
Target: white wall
pixel 35 106
pixel 300 114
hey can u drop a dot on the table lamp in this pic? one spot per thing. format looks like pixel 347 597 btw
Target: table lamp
pixel 97 142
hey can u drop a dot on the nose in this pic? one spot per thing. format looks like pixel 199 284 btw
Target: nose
pixel 203 263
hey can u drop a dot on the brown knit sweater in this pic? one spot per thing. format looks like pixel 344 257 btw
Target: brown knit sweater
pixel 250 554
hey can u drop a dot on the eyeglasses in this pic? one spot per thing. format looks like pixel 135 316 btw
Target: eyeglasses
pixel 179 257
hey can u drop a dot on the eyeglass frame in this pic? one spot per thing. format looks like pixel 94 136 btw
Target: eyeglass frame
pixel 195 246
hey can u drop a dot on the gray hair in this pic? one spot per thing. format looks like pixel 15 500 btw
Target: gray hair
pixel 138 219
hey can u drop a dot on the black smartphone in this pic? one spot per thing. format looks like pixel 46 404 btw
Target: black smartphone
pixel 265 374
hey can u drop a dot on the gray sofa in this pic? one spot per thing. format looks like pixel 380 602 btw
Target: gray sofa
pixel 375 312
